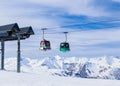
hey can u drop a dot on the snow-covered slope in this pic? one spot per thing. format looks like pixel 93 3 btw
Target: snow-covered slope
pixel 100 67
pixel 45 79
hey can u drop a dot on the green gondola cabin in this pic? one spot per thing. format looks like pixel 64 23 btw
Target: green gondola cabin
pixel 64 47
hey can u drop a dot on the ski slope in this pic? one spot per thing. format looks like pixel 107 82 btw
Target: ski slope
pixel 8 78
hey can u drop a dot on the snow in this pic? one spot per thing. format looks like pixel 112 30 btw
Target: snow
pixel 100 71
pixel 45 79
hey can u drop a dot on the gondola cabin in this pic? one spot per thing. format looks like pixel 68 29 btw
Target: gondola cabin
pixel 64 46
pixel 45 45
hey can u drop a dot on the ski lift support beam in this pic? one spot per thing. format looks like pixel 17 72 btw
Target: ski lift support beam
pixel 12 32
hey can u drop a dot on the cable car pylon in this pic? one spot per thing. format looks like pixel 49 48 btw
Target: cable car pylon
pixel 44 44
pixel 64 46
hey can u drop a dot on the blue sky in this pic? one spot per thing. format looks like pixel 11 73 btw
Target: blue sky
pixel 90 40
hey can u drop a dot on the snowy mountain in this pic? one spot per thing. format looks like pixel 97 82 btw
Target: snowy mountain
pixel 99 67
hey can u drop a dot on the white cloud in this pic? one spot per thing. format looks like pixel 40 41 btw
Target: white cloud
pixel 116 0
pixel 78 7
pixel 13 12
